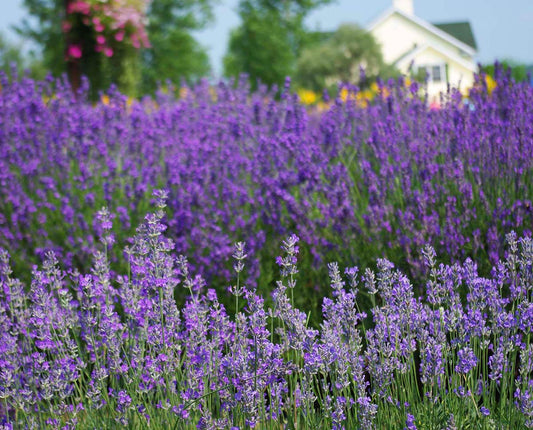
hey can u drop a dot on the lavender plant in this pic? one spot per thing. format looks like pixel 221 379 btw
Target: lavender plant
pixel 100 349
pixel 354 182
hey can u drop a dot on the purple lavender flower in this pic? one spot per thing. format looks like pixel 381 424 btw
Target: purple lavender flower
pixel 410 423
pixel 466 360
pixel 113 331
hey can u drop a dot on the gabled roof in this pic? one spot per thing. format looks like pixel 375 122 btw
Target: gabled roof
pixel 426 25
pixel 460 30
pixel 411 55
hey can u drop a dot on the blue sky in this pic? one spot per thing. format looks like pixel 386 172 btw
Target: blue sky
pixel 502 28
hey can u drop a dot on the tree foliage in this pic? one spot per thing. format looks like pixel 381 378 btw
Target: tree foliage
pixel 340 58
pixel 99 39
pixel 267 43
pixel 518 71
pixel 43 27
pixel 261 48
pixel 175 54
pixel 12 56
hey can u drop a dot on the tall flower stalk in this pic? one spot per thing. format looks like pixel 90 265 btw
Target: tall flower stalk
pixel 82 349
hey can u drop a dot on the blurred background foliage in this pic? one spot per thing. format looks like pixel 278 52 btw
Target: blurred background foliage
pixel 12 56
pixel 271 43
pixel 173 55
pixel 519 72
pixel 267 44
pixel 341 57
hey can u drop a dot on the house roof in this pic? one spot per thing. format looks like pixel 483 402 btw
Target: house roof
pixel 426 25
pixel 460 30
pixel 411 55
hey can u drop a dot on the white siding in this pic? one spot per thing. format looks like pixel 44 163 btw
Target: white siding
pixel 457 75
pixel 398 36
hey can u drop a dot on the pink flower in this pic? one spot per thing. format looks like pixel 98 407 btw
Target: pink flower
pixel 74 51
pixel 119 37
pixel 99 28
pixel 66 26
pixel 108 52
pixel 434 105
pixel 144 39
pixel 135 41
pixel 100 39
pixel 79 7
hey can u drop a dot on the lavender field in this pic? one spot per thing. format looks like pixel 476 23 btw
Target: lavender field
pixel 221 258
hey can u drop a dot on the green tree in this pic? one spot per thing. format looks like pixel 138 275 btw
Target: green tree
pixel 43 27
pixel 59 25
pixel 175 55
pixel 267 43
pixel 261 48
pixel 340 58
pixel 12 54
pixel 518 70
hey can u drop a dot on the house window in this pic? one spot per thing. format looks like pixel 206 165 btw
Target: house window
pixel 435 73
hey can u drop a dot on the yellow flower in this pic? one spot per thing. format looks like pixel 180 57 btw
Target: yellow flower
pixel 491 83
pixel 104 99
pixel 213 94
pixel 307 97
pixel 344 94
pixel 362 99
pixel 183 92
pixel 385 93
pixel 369 94
pixel 46 99
pixel 322 106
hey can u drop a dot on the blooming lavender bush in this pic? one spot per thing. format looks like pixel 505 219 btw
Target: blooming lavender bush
pixel 96 349
pixel 355 182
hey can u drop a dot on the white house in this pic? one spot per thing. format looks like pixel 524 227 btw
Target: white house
pixel 444 51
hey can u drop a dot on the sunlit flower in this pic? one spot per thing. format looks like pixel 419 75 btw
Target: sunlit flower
pixel 74 51
pixel 491 83
pixel 307 97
